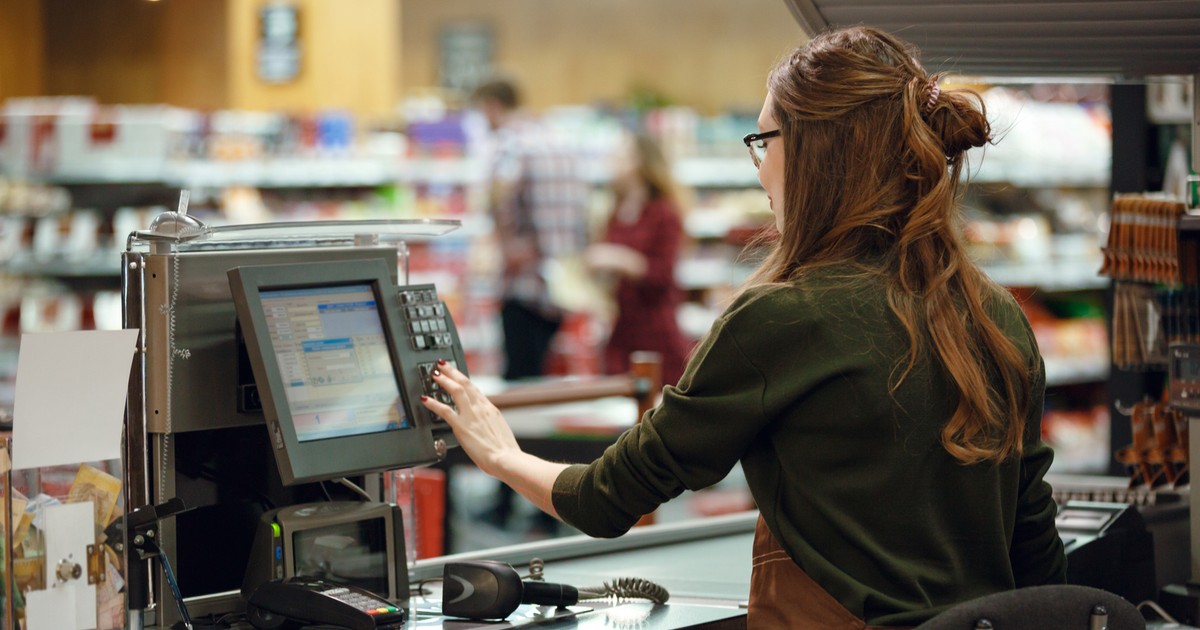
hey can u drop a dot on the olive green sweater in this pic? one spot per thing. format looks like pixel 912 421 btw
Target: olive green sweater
pixel 792 381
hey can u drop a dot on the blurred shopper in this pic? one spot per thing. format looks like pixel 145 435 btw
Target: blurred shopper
pixel 539 206
pixel 883 396
pixel 639 248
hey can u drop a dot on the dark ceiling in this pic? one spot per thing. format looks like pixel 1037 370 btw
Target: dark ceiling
pixel 1115 39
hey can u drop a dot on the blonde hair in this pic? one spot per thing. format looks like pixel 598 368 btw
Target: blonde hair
pixel 654 169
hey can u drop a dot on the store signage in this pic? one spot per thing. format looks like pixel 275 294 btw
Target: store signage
pixel 279 43
pixel 466 55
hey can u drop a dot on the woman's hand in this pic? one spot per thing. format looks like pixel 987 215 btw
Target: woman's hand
pixel 480 428
pixel 616 259
pixel 486 437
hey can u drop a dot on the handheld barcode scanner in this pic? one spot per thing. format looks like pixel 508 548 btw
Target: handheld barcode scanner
pixel 487 589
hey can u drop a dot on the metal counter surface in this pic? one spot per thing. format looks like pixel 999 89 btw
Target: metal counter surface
pixel 703 564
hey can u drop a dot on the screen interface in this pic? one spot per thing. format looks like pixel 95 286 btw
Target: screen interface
pixel 345 553
pixel 333 360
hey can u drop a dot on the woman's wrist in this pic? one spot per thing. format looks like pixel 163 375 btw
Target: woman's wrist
pixel 531 476
pixel 505 464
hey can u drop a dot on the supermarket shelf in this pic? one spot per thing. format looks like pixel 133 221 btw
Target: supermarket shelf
pixel 347 171
pixel 1053 275
pixel 315 172
pixel 704 273
pixel 103 264
pixel 1073 274
pixel 360 172
pixel 691 274
pixel 1075 370
pixel 731 172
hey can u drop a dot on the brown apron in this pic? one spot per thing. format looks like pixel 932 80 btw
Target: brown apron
pixel 783 596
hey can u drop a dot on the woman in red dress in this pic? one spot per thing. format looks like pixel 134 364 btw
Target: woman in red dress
pixel 639 250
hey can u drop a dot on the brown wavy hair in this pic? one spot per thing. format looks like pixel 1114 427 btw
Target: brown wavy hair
pixel 873 154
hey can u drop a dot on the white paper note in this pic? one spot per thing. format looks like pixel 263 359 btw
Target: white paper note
pixel 70 398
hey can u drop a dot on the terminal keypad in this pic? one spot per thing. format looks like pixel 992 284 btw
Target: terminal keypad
pixel 432 337
pixel 427 326
pixel 366 602
pixel 432 389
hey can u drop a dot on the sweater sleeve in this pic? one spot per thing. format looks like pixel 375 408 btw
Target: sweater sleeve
pixel 695 436
pixel 1037 550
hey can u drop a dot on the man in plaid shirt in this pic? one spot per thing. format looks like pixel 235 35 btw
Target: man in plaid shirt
pixel 538 204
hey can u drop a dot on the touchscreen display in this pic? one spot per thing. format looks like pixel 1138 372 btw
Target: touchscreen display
pixel 333 360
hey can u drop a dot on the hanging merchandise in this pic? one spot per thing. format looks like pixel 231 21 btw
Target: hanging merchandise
pixel 1141 256
pixel 1158 456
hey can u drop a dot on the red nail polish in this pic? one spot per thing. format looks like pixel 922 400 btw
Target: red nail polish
pixel 424 398
pixel 441 362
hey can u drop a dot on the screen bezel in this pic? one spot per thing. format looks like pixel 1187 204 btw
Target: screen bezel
pixel 327 458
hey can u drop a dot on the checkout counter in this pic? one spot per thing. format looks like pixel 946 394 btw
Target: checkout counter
pixel 703 564
pixel 202 469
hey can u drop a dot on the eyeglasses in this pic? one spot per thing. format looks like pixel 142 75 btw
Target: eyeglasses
pixel 757 143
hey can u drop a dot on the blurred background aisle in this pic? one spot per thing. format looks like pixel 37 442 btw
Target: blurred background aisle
pixel 272 110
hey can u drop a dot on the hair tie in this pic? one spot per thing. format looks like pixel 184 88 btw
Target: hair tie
pixel 934 91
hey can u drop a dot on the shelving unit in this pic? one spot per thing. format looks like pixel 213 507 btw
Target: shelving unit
pixel 435 182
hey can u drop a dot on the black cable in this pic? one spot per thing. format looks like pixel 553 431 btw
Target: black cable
pixel 419 588
pixel 219 622
pixel 626 588
pixel 620 588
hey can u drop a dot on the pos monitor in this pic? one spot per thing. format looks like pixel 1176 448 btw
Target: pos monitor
pixel 329 347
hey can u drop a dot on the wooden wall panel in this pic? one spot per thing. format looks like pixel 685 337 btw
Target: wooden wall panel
pixel 134 51
pixel 195 54
pixel 22 53
pixel 109 49
pixel 710 54
pixel 364 56
pixel 201 54
pixel 349 58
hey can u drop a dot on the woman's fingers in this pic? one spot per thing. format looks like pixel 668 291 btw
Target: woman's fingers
pixel 455 382
pixel 443 411
pixel 480 428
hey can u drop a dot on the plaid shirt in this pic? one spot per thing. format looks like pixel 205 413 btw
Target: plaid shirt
pixel 539 204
